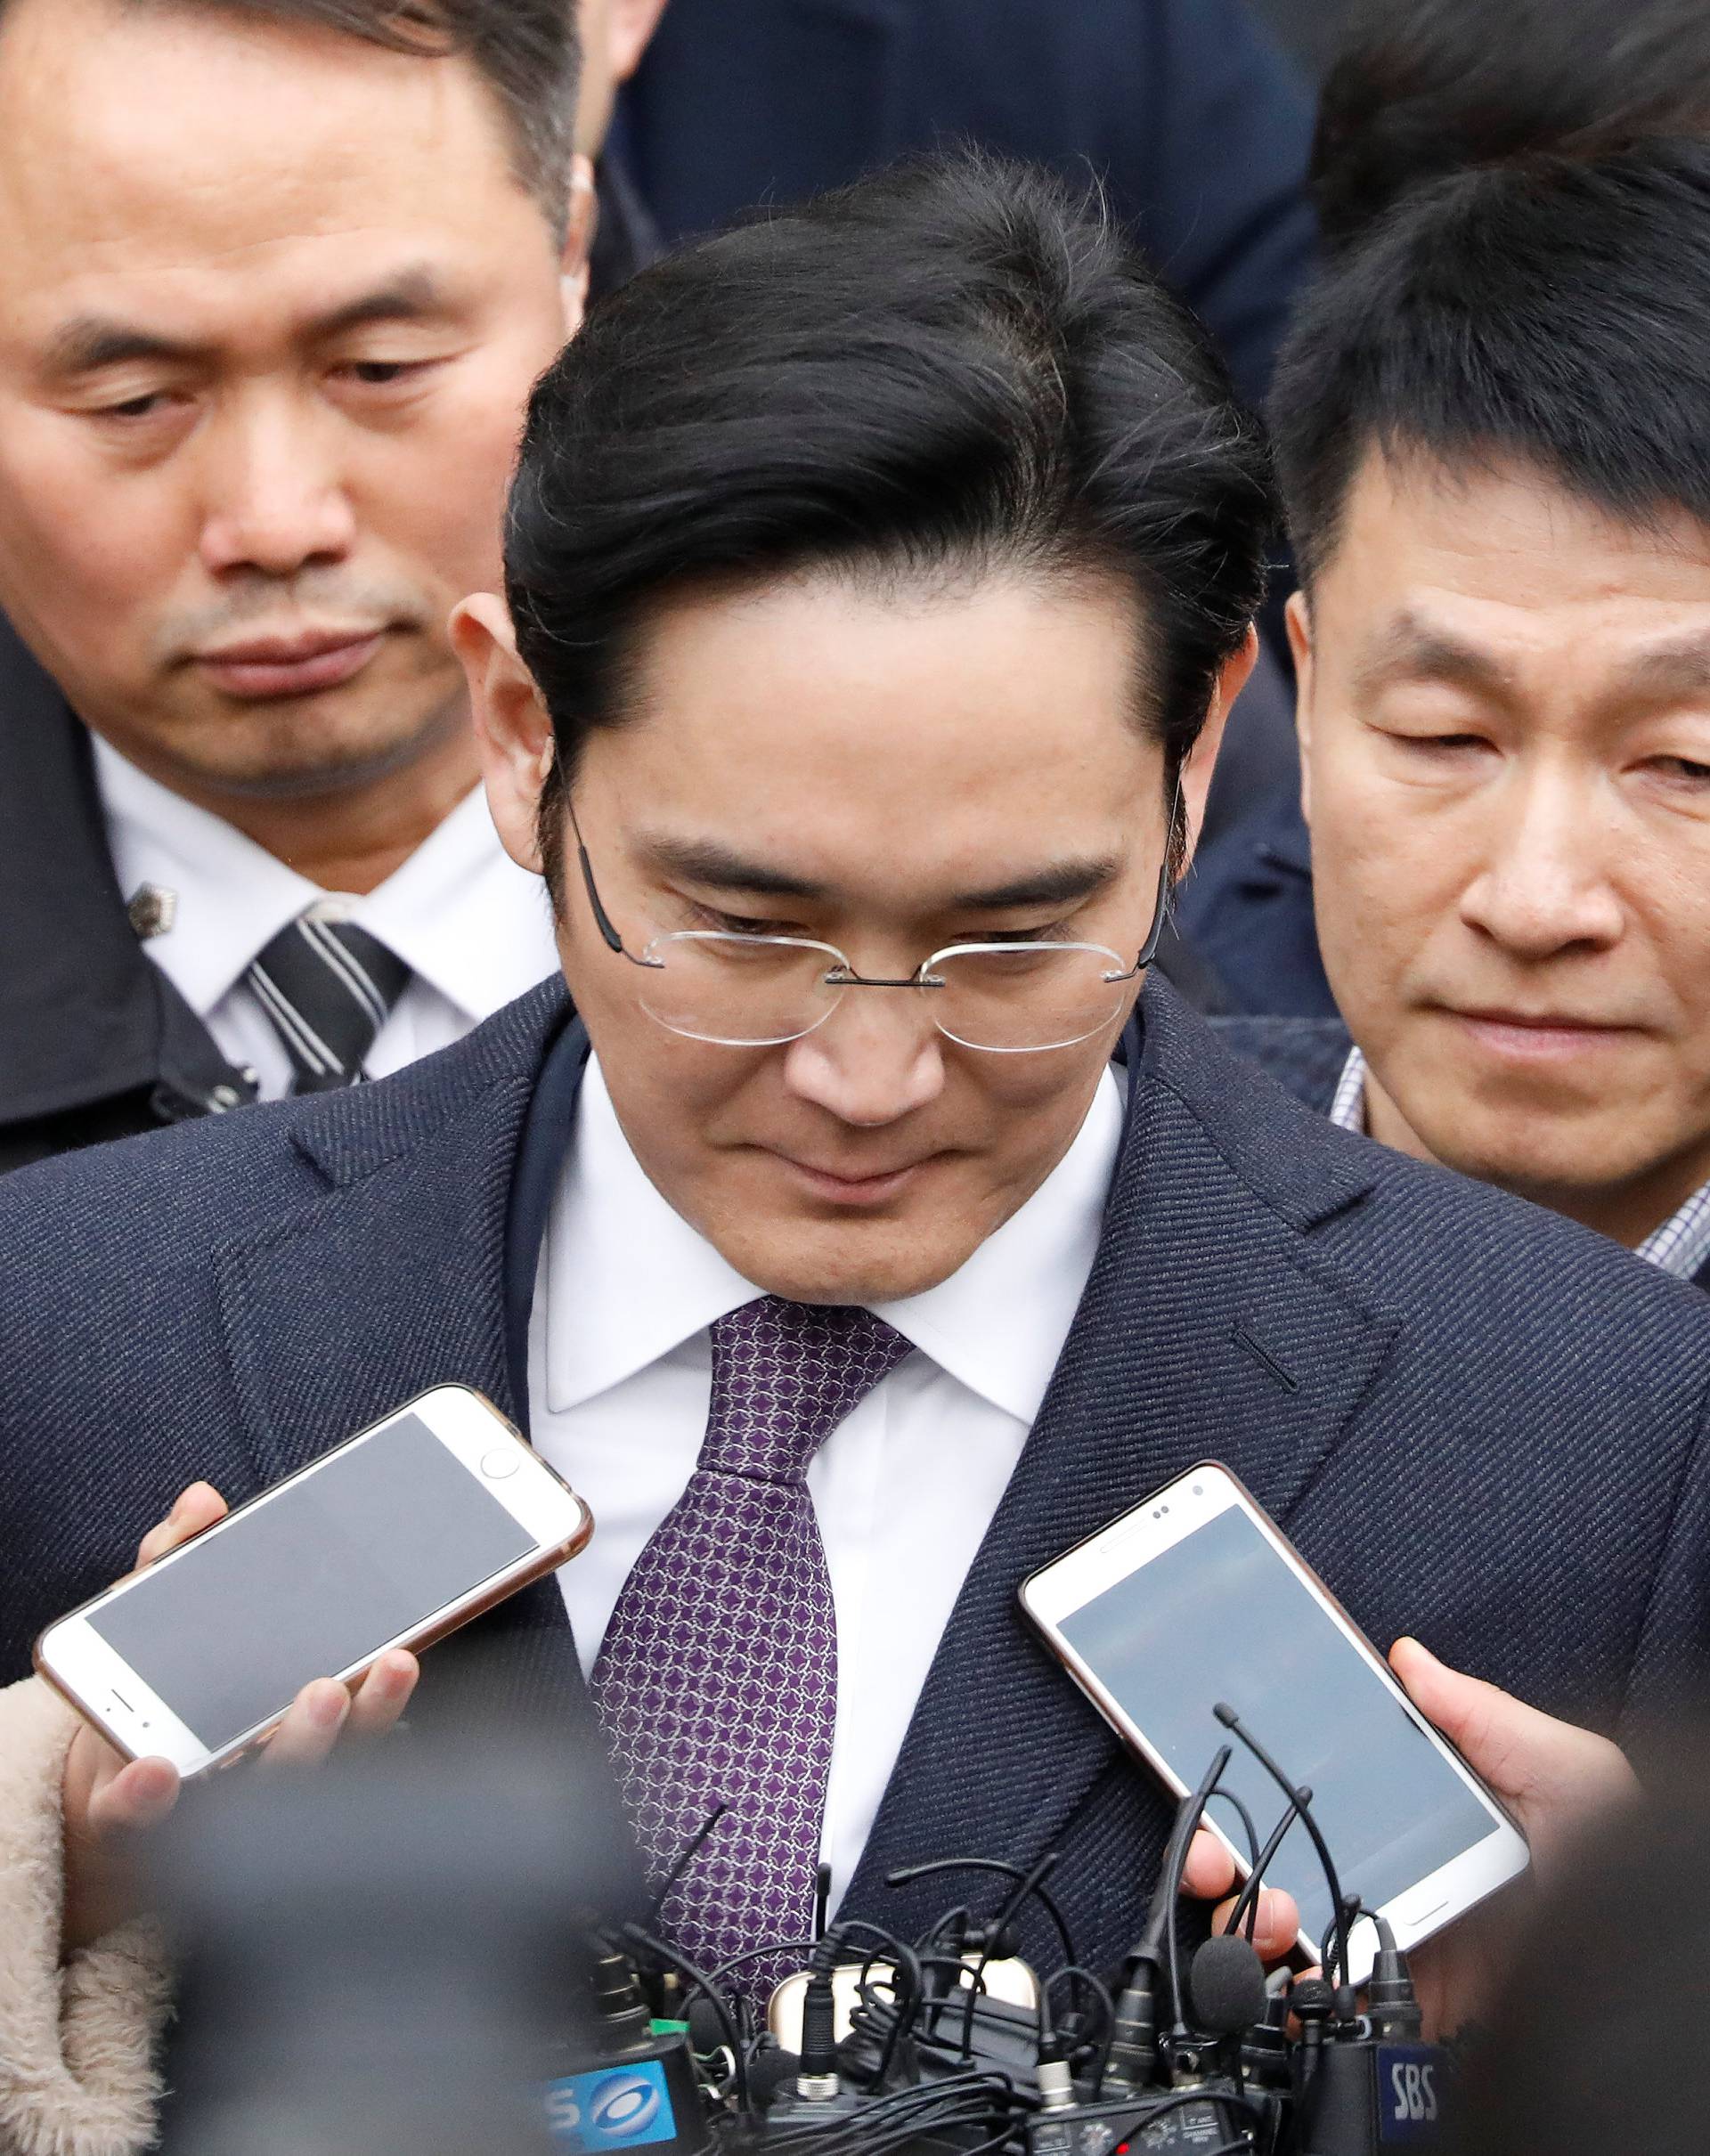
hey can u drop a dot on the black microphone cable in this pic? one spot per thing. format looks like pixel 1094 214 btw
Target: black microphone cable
pixel 687 1855
pixel 1231 1721
pixel 1247 1900
pixel 1101 1991
pixel 1031 1882
pixel 906 1874
pixel 1133 2053
pixel 1169 1885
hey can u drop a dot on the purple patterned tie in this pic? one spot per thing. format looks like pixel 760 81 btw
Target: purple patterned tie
pixel 717 1679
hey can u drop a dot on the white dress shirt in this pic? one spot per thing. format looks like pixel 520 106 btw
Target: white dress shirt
pixel 475 930
pixel 1679 1246
pixel 620 1380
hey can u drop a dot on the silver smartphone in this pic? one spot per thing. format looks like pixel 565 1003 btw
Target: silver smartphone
pixel 392 1539
pixel 1195 1598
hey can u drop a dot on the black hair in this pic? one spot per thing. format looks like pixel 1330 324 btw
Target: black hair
pixel 958 365
pixel 526 51
pixel 1549 312
pixel 1426 88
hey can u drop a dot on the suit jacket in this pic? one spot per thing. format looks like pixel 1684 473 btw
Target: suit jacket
pixel 95 1043
pixel 1519 1477
pixel 1186 109
pixel 1306 1055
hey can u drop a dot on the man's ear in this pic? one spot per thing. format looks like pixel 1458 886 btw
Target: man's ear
pixel 1202 758
pixel 512 731
pixel 1300 618
pixel 581 221
pixel 632 24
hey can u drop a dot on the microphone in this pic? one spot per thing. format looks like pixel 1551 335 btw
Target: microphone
pixel 1225 1984
pixel 1134 2057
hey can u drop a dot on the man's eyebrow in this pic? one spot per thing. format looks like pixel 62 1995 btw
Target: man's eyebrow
pixel 720 867
pixel 1678 668
pixel 1412 649
pixel 408 297
pixel 90 342
pixel 1057 883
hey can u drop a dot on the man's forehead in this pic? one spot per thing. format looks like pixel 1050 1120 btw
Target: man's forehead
pixel 1480 572
pixel 1487 524
pixel 134 141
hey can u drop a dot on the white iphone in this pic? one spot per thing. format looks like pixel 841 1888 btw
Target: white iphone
pixel 392 1539
pixel 1195 1599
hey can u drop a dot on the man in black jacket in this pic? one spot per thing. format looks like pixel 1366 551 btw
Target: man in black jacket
pixel 247 463
pixel 1498 494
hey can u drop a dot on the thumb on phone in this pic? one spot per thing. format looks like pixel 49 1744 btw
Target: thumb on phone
pixel 1553 1776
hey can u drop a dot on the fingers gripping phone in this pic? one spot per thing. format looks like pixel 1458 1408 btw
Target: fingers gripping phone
pixel 1195 1599
pixel 392 1539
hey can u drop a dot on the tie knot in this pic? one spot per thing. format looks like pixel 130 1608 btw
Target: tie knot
pixel 783 1376
pixel 328 988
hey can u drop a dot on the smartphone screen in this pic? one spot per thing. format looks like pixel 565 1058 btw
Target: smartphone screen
pixel 312 1581
pixel 1220 1615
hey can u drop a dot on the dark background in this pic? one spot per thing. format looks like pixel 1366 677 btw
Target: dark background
pixel 1310 28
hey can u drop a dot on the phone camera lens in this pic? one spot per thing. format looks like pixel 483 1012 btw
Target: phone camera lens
pixel 1199 1489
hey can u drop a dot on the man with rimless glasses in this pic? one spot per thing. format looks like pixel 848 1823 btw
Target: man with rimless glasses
pixel 864 1227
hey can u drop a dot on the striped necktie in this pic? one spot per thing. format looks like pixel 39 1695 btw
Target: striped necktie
pixel 327 985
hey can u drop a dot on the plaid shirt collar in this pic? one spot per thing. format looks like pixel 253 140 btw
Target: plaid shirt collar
pixel 1679 1246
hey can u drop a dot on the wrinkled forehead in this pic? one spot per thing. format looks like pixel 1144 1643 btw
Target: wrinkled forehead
pixel 1497 579
pixel 158 142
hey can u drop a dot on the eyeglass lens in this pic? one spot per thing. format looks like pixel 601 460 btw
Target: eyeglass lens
pixel 756 991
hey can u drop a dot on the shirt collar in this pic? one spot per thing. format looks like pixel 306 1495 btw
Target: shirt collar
pixel 1348 1110
pixel 458 912
pixel 626 1278
pixel 1680 1246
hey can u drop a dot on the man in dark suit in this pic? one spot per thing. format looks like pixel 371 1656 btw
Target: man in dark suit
pixel 167 821
pixel 1498 502
pixel 860 1238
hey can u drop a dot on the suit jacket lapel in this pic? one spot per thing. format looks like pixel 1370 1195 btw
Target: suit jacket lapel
pixel 1209 1327
pixel 392 1281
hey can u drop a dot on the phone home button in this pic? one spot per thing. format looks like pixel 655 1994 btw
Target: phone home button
pixel 501 1461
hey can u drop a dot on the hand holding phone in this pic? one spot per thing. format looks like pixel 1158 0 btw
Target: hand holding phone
pixel 108 1799
pixel 1193 1604
pixel 227 1637
pixel 1556 1780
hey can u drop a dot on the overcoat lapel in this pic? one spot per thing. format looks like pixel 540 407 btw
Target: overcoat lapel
pixel 1210 1328
pixel 394 1280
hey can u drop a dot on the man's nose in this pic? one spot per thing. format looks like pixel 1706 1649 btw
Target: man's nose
pixel 876 1057
pixel 1544 886
pixel 273 501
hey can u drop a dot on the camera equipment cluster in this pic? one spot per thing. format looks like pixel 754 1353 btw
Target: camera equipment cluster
pixel 949 2043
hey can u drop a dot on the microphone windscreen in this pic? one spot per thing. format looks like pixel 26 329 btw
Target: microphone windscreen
pixel 705 2026
pixel 1227 1984
pixel 771 2069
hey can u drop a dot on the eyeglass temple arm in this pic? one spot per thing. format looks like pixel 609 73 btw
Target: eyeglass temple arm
pixel 602 919
pixel 1160 915
pixel 1159 922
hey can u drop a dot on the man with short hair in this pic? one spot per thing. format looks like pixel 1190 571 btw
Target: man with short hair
pixel 1498 493
pixel 275 277
pixel 854 1235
